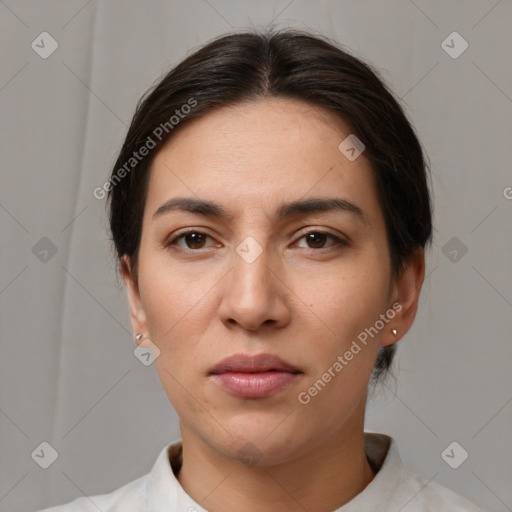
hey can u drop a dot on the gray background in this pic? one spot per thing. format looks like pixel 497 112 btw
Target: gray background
pixel 68 375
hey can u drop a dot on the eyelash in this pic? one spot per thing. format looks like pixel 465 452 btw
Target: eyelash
pixel 338 241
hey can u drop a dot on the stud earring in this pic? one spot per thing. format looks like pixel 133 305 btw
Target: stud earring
pixel 138 337
pixel 394 331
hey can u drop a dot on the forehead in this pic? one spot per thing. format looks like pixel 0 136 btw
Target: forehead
pixel 271 127
pixel 268 150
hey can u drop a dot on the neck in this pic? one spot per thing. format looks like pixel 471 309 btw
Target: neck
pixel 322 478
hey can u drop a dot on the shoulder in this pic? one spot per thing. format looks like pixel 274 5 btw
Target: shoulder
pixel 128 498
pixel 156 488
pixel 137 494
pixel 395 487
pixel 427 496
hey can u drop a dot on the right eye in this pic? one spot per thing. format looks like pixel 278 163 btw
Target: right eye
pixel 192 239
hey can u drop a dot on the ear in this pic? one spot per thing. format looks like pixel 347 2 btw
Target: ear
pixel 405 294
pixel 137 312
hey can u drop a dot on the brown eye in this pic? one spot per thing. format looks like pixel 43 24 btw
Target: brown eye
pixel 318 240
pixel 192 240
pixel 195 240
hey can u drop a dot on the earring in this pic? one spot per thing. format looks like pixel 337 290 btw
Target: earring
pixel 138 337
pixel 394 331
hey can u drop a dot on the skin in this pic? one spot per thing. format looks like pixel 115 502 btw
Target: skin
pixel 198 301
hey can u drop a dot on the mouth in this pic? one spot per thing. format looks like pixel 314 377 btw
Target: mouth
pixel 258 376
pixel 259 363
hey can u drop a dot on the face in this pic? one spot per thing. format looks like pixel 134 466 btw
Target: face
pixel 277 246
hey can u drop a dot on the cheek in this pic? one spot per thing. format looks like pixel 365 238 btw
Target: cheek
pixel 178 306
pixel 174 309
pixel 341 354
pixel 173 297
pixel 349 300
pixel 344 309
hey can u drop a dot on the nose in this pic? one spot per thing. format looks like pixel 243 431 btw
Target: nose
pixel 254 294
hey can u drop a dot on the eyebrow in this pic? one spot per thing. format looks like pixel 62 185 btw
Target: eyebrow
pixel 286 211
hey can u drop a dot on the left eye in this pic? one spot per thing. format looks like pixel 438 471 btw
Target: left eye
pixel 317 239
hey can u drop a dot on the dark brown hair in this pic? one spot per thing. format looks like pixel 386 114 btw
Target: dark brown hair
pixel 289 64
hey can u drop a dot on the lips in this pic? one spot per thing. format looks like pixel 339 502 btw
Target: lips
pixel 243 363
pixel 258 376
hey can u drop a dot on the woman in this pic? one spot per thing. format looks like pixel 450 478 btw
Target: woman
pixel 270 210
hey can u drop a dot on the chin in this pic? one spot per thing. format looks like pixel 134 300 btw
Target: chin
pixel 261 442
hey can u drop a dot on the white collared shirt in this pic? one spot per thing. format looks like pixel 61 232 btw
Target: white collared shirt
pixel 393 488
